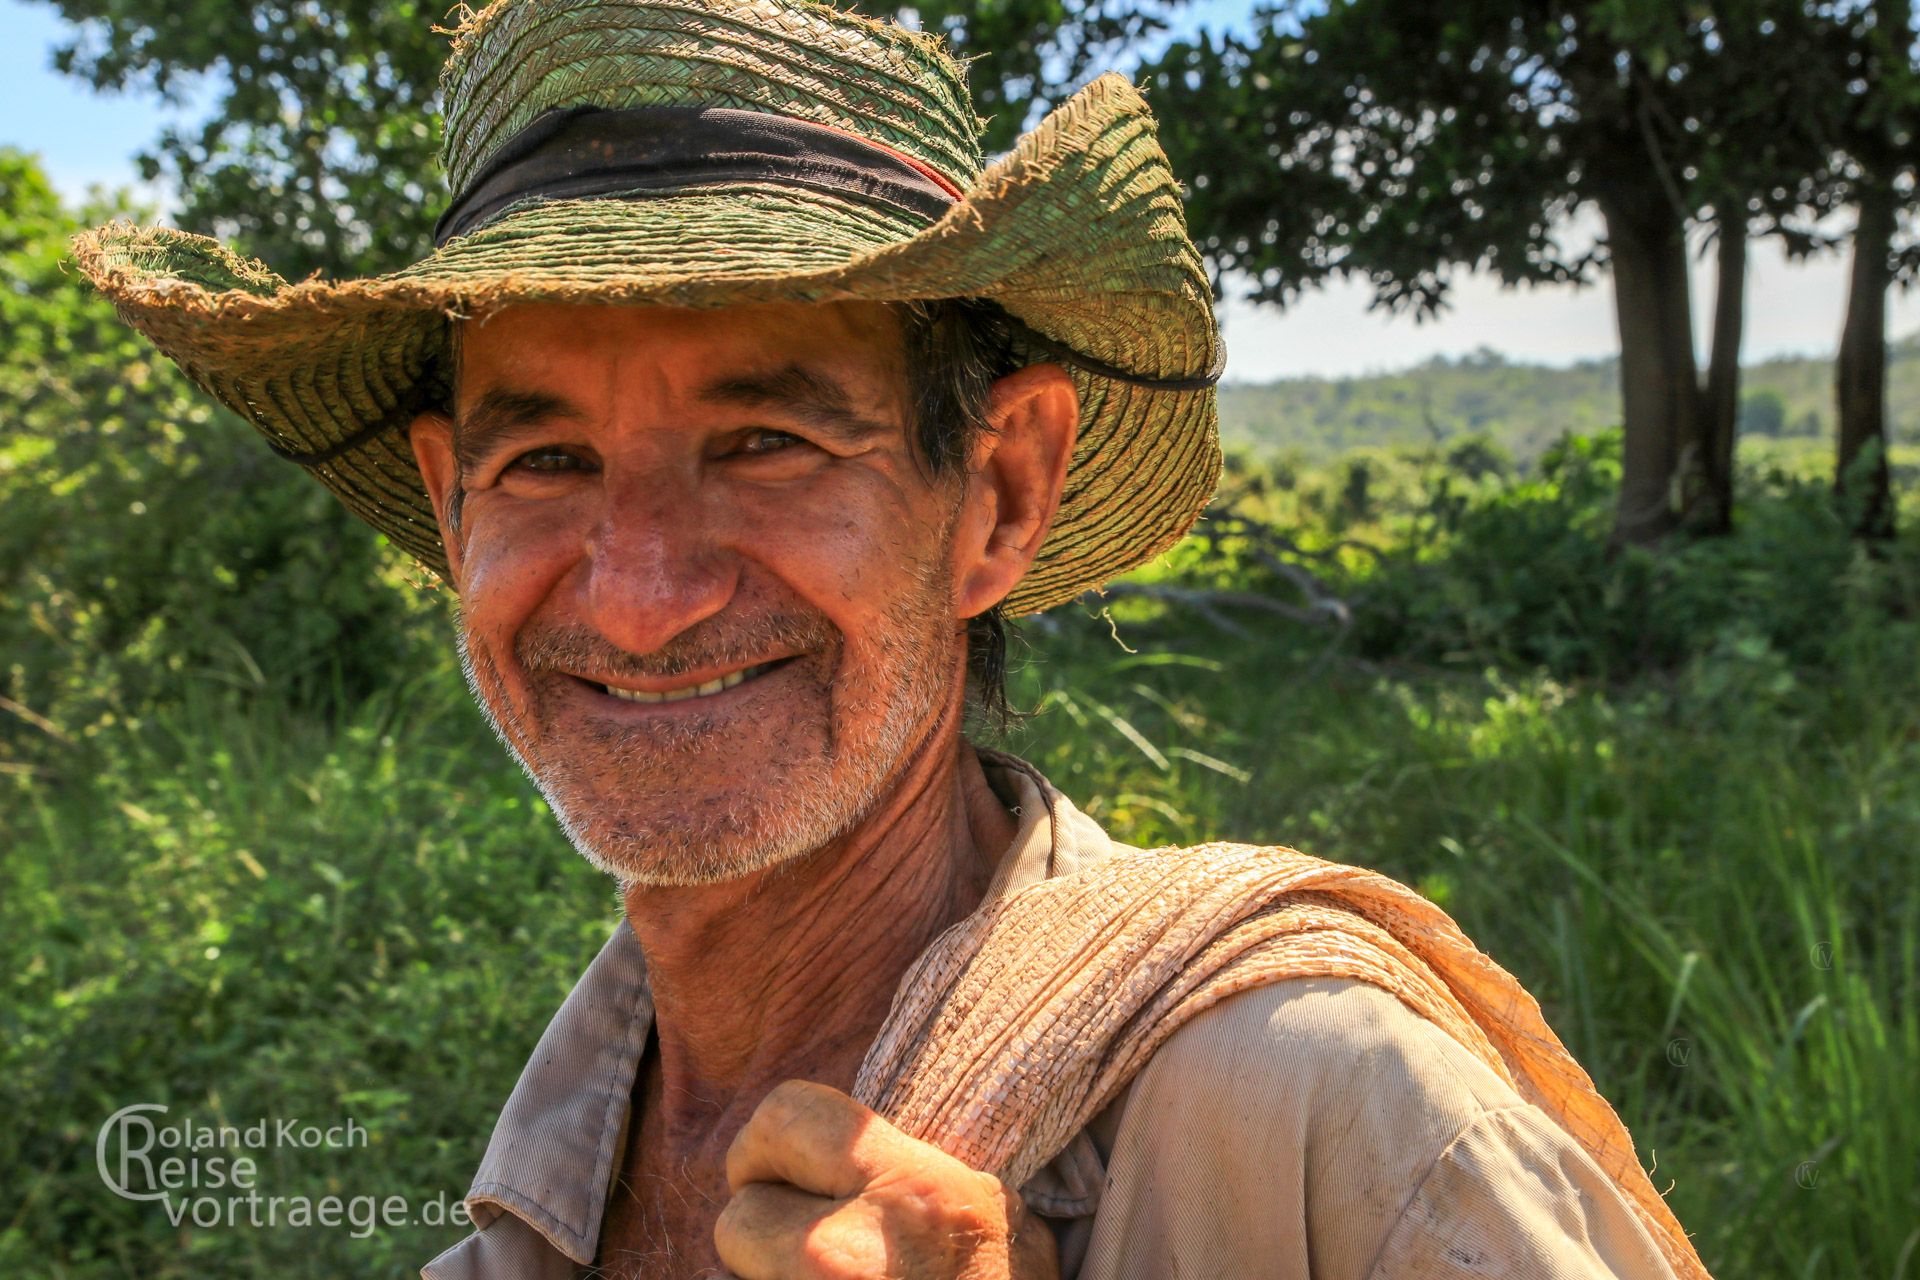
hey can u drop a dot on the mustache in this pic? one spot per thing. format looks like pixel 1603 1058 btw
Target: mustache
pixel 712 642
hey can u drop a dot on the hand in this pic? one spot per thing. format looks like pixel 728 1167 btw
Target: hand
pixel 824 1189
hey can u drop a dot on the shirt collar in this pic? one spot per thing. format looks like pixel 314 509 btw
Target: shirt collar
pixel 555 1149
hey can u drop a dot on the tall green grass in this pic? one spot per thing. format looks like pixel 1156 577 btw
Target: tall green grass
pixel 243 906
pixel 252 914
pixel 1710 882
pixel 243 912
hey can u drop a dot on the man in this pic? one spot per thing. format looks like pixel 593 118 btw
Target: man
pixel 739 403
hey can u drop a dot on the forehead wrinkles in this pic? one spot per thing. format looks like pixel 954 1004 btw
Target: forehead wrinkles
pixel 861 347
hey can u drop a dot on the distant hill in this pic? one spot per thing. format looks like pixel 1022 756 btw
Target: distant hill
pixel 1525 407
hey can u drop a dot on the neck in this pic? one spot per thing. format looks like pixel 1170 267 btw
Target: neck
pixel 789 972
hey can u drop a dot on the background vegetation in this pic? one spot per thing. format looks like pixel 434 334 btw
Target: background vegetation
pixel 1525 409
pixel 262 859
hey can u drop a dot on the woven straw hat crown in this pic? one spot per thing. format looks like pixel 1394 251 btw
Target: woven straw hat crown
pixel 1077 233
pixel 518 60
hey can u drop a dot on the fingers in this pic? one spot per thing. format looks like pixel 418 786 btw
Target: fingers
pixel 816 1138
pixel 824 1189
pixel 770 1231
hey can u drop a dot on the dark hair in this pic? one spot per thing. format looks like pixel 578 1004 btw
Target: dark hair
pixel 956 349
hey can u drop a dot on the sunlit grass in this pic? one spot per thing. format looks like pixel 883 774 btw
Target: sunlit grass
pixel 1706 872
pixel 1712 892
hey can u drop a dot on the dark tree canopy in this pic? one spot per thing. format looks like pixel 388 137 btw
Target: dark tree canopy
pixel 320 154
pixel 1403 143
pixel 1398 142
pixel 1025 55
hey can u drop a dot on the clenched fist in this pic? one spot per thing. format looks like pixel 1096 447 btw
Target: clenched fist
pixel 824 1188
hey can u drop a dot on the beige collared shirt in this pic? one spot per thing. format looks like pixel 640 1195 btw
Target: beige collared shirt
pixel 1315 1129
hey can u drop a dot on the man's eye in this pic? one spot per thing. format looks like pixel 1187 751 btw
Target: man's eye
pixel 763 440
pixel 546 459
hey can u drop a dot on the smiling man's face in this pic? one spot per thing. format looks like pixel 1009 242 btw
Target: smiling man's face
pixel 706 581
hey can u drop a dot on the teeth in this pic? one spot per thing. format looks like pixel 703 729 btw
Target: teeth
pixel 727 681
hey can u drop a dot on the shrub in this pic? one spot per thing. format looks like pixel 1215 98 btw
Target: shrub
pixel 148 540
pixel 1522 575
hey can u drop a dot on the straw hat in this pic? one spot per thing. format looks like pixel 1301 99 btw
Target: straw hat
pixel 707 153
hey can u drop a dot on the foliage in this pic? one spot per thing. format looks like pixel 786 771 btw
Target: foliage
pixel 1677 797
pixel 1526 578
pixel 1477 564
pixel 1026 55
pixel 320 152
pixel 1703 878
pixel 147 540
pixel 1404 143
pixel 1873 168
pixel 1527 408
pixel 233 909
pixel 240 910
pixel 1399 142
pixel 1876 109
pixel 1763 413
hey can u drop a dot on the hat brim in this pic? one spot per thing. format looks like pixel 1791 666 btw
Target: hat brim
pixel 1078 232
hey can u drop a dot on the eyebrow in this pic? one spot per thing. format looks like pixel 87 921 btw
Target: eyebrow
pixel 499 417
pixel 810 397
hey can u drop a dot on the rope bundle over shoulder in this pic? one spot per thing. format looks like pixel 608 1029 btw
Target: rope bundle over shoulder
pixel 1023 1021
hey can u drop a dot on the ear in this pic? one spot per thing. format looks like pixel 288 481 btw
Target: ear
pixel 1016 474
pixel 432 438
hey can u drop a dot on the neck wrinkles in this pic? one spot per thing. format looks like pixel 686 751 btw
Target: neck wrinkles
pixel 790 972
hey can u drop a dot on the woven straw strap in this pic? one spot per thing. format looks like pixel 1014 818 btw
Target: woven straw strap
pixel 1023 1021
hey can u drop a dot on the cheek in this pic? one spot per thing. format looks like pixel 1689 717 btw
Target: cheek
pixel 514 557
pixel 850 545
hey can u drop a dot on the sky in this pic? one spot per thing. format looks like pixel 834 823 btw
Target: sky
pixel 85 138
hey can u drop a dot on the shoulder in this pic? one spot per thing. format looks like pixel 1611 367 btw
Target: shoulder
pixel 1291 1123
pixel 1319 1127
pixel 1332 1072
pixel 1334 1063
pixel 1327 1041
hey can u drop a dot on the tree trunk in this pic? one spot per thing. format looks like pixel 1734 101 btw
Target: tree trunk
pixel 1712 509
pixel 1860 371
pixel 1659 380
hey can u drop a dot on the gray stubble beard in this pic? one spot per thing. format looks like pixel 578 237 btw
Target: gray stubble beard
pixel 804 806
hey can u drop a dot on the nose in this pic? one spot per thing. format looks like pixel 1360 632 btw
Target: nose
pixel 654 566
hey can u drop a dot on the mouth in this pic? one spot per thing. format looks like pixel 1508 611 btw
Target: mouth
pixel 704 689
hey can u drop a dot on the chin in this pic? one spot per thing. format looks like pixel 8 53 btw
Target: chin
pixel 784 767
pixel 640 819
pixel 680 846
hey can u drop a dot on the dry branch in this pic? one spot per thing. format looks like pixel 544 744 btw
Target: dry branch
pixel 1273 550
